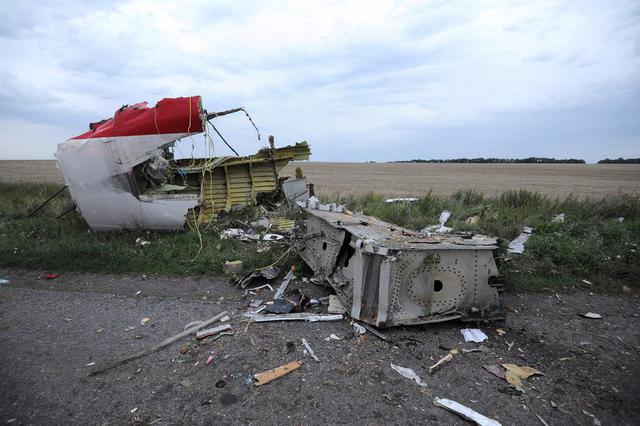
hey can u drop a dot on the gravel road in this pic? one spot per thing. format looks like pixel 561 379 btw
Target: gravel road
pixel 50 330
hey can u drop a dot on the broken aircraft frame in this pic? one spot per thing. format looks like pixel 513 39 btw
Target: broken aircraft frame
pixel 387 275
pixel 121 174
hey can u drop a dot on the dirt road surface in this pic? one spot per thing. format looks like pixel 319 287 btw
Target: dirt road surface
pixel 51 330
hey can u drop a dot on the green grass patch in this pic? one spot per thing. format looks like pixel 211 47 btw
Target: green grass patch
pixel 590 245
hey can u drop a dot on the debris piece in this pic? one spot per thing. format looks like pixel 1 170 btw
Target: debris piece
pixel 255 289
pixel 472 220
pixel 517 245
pixel 225 318
pixel 591 315
pixel 280 306
pixel 596 422
pixel 515 373
pixel 439 228
pixel 309 350
pixel 435 367
pixel 255 303
pixel 129 328
pixel 158 346
pixel 331 337
pixel 263 222
pixel 209 359
pixel 212 331
pixel 90 364
pixel 542 420
pixel 587 282
pixel 232 267
pixel 481 348
pixel 283 286
pixel 465 412
pixel 358 329
pixel 272 237
pixel 408 373
pixel 100 330
pixel 501 331
pixel 4 281
pixel 378 253
pixel 269 375
pixel 301 316
pixel 620 220
pixel 138 292
pixel 495 370
pixel 231 233
pixel 144 320
pixel 401 200
pixel 267 273
pixel 625 288
pixel 192 324
pixel 221 383
pixel 51 276
pixel 224 333
pixel 335 305
pixel 473 335
pixel 313 203
pixel 296 190
pixel 134 410
pixel 374 331
pixel 558 218
pixel 141 242
pixel 283 225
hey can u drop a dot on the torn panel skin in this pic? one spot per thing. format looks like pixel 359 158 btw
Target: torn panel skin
pixel 391 276
pixel 121 174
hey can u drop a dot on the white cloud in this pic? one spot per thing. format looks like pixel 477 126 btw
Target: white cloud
pixel 340 74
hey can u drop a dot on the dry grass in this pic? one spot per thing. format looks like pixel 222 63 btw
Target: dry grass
pixel 332 179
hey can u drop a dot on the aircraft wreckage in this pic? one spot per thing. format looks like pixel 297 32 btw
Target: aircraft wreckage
pixel 122 174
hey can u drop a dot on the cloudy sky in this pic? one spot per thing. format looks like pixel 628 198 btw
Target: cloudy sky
pixel 380 80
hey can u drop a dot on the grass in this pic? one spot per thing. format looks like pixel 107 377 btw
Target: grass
pixel 590 245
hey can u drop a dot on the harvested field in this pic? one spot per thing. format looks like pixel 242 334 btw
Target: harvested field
pixel 445 179
pixel 332 179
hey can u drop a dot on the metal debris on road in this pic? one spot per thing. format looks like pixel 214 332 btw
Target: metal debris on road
pixel 307 348
pixel 331 337
pixel 158 346
pixel 591 315
pixel 275 373
pixel 408 373
pixel 300 316
pixel 481 348
pixel 473 335
pixel 283 286
pixel 212 331
pixel 495 370
pixel 465 412
pixel 335 305
pixel 358 329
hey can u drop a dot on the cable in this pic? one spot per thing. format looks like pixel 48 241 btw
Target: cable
pixel 224 140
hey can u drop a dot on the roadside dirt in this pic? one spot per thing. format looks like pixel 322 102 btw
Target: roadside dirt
pixel 51 329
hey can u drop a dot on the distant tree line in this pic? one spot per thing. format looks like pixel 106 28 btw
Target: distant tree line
pixel 620 161
pixel 499 160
